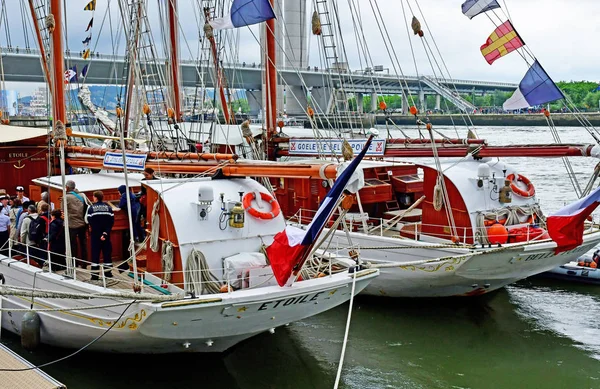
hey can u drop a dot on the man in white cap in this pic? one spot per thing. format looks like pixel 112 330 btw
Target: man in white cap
pixel 4 207
pixel 21 194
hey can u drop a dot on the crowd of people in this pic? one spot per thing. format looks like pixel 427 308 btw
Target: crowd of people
pixel 37 229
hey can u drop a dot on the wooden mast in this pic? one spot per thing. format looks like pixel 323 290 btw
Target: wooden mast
pixel 271 77
pixel 220 77
pixel 38 35
pixel 174 57
pixel 131 76
pixel 58 66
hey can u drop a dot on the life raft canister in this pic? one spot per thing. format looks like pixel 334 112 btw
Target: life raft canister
pixel 530 192
pixel 247 203
pixel 520 234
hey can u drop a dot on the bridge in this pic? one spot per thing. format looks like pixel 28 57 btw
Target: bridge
pixel 24 65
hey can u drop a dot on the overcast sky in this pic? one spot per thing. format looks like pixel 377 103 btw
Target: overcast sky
pixel 563 34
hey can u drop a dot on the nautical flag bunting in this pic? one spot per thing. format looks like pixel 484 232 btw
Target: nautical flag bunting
pixel 244 13
pixel 534 89
pixel 472 8
pixel 86 54
pixel 291 247
pixel 87 40
pixel 91 6
pixel 90 24
pixel 503 40
pixel 565 227
pixel 84 71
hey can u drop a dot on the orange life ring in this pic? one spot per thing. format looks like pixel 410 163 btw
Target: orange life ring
pixel 530 192
pixel 247 203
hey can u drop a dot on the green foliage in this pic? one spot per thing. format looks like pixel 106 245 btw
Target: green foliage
pixel 240 103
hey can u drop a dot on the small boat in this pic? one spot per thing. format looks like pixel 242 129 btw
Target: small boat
pixel 584 270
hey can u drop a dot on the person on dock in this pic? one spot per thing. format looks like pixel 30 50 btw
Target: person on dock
pixel 56 240
pixel 76 211
pixel 14 214
pixel 21 194
pixel 101 219
pixel 4 207
pixel 44 200
pixel 4 233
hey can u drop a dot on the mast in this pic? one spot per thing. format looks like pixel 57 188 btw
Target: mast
pixel 58 65
pixel 174 56
pixel 38 35
pixel 220 78
pixel 271 77
pixel 132 65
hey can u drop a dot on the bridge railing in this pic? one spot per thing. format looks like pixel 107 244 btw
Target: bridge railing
pixel 258 66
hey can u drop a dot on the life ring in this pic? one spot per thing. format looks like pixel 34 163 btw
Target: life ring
pixel 530 192
pixel 247 203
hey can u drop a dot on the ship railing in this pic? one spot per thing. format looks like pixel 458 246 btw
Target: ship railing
pixel 326 263
pixel 381 227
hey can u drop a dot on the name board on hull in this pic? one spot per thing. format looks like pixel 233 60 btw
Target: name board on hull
pixel 134 161
pixel 329 146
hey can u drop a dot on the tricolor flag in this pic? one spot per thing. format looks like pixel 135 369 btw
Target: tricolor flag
pixel 90 24
pixel 291 247
pixel 84 71
pixel 565 227
pixel 244 13
pixel 86 54
pixel 91 6
pixel 472 8
pixel 71 74
pixel 503 40
pixel 534 89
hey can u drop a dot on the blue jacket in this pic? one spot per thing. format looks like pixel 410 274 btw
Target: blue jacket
pixel 135 205
pixel 101 218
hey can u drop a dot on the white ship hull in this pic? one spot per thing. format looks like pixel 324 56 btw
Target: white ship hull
pixel 465 273
pixel 209 323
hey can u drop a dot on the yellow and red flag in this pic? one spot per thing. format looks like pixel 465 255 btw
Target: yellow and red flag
pixel 503 40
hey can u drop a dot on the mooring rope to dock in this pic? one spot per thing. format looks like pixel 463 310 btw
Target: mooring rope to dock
pixel 341 364
pixel 78 350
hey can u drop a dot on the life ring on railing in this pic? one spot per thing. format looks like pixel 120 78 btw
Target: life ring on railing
pixel 247 203
pixel 530 192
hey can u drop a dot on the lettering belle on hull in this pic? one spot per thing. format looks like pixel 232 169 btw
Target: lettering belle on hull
pixel 290 301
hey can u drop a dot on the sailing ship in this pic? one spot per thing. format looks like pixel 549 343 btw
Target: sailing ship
pixel 427 227
pixel 188 288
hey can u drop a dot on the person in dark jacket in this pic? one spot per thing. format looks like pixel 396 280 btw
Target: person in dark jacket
pixel 135 210
pixel 101 219
pixel 56 240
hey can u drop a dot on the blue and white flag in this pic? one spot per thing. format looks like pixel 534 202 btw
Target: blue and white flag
pixel 472 8
pixel 244 13
pixel 291 247
pixel 534 89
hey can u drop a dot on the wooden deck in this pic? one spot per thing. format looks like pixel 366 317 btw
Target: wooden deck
pixel 28 379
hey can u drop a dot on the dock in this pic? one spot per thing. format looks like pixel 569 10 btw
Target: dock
pixel 28 379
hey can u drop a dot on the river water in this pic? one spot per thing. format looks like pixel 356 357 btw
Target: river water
pixel 534 334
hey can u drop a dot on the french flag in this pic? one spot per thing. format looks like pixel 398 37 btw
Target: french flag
pixel 565 227
pixel 291 247
pixel 244 13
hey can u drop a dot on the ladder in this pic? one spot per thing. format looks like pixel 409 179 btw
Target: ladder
pixel 150 82
pixel 338 101
pixel 41 13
